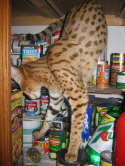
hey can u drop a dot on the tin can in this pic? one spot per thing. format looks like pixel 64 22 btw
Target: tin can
pixel 102 75
pixel 32 107
pixel 55 36
pixel 57 142
pixel 35 154
pixel 42 142
pixel 106 158
pixel 117 64
pixel 82 158
pixel 14 37
pixel 44 101
pixel 120 80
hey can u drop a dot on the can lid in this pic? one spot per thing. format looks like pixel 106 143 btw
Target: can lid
pixel 82 157
pixel 57 132
pixel 30 164
pixel 34 155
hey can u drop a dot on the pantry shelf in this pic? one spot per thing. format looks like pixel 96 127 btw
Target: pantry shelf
pixel 94 89
pixel 108 90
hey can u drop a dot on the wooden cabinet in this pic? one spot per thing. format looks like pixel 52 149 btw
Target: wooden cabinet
pixel 5 87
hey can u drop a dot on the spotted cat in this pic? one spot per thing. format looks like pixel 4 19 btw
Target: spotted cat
pixel 65 69
pixel 46 32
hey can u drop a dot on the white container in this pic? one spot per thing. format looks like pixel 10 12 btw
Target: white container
pixel 28 127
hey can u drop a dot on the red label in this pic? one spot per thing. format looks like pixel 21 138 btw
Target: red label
pixel 54 141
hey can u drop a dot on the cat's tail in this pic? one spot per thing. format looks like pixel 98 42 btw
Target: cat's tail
pixel 46 32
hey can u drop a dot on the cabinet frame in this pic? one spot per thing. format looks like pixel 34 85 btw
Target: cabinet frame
pixel 5 84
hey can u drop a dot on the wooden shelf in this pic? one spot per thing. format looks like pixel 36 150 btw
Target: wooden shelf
pixel 109 90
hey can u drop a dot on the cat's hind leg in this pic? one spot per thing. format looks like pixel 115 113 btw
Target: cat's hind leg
pixel 55 103
pixel 78 99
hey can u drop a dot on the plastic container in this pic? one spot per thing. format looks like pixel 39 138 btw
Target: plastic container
pixel 28 128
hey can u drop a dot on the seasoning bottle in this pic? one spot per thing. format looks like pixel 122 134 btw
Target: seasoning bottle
pixel 119 149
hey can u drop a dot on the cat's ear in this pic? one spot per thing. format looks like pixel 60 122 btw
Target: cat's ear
pixel 15 74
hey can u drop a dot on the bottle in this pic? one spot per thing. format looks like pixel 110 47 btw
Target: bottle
pixel 103 135
pixel 119 149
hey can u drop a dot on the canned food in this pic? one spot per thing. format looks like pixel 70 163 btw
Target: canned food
pixel 30 164
pixel 42 142
pixel 106 158
pixel 57 142
pixel 55 36
pixel 102 75
pixel 120 80
pixel 82 158
pixel 44 100
pixel 117 61
pixel 32 107
pixel 35 154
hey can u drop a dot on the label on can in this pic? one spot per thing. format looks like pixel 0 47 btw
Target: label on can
pixel 102 76
pixel 120 80
pixel 55 36
pixel 44 101
pixel 117 65
pixel 56 143
pixel 32 107
pixel 42 142
pixel 106 158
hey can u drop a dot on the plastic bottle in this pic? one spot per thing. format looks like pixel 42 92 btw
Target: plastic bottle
pixel 119 149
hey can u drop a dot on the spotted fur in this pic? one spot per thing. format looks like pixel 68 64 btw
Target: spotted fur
pixel 66 68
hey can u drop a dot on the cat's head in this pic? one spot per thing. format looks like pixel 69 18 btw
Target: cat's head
pixel 27 84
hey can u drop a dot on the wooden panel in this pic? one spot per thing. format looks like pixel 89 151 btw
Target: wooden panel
pixel 39 20
pixel 5 103
pixel 20 8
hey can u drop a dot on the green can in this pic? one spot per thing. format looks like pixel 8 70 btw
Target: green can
pixel 57 141
pixel 121 81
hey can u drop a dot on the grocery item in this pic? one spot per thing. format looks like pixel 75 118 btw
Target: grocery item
pixel 32 107
pixel 117 64
pixel 104 136
pixel 43 142
pixel 35 153
pixel 106 158
pixel 82 158
pixel 102 76
pixel 17 128
pixel 28 127
pixel 120 84
pixel 57 142
pixel 119 150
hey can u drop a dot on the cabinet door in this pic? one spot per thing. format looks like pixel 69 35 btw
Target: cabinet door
pixel 5 84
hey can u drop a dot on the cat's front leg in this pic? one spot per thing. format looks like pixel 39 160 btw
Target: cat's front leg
pixel 78 101
pixel 56 101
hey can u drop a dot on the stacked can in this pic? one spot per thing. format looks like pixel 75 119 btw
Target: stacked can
pixel 117 65
pixel 57 142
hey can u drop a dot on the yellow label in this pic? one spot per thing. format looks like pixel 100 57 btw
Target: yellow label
pixel 104 163
pixel 18 100
pixel 117 59
pixel 107 118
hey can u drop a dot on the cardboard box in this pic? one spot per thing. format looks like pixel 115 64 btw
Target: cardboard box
pixel 17 128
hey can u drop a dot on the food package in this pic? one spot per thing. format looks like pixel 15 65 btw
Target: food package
pixel 17 129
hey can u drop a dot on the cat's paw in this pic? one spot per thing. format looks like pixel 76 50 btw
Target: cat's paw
pixel 37 134
pixel 71 157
